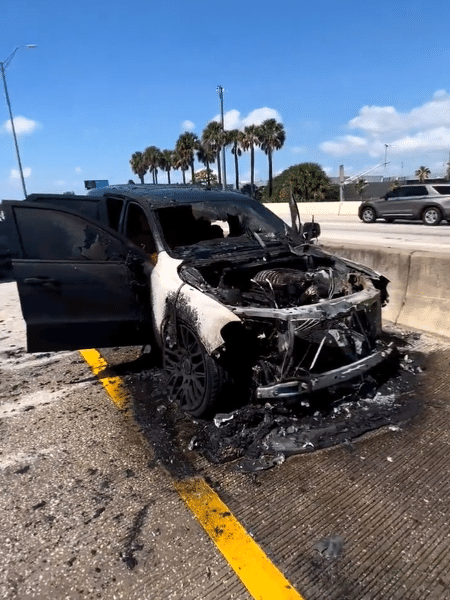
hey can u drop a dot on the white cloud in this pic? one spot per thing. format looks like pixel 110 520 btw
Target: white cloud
pixel 78 170
pixel 434 139
pixel 385 119
pixel 60 183
pixel 345 145
pixel 426 127
pixel 187 125
pixel 14 174
pixel 234 120
pixel 22 125
pixel 257 116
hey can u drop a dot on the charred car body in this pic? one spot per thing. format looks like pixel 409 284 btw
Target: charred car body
pixel 233 300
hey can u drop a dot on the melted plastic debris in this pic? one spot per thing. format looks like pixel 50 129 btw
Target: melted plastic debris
pixel 330 547
pixel 257 436
pixel 251 465
pixel 222 418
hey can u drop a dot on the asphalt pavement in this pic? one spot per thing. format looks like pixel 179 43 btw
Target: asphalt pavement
pixel 91 504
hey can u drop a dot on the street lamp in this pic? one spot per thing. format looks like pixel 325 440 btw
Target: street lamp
pixel 3 66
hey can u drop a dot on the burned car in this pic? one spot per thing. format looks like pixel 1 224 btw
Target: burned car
pixel 234 300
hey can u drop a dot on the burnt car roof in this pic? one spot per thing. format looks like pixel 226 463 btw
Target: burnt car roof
pixel 162 195
pixel 156 196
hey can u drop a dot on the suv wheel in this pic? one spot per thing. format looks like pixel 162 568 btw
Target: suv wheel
pixel 368 215
pixel 431 216
pixel 194 380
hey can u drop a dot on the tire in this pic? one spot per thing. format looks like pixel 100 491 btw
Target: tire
pixel 431 216
pixel 368 215
pixel 194 380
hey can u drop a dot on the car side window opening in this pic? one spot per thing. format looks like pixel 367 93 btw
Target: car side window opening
pixel 48 234
pixel 138 231
pixel 417 190
pixel 444 190
pixel 114 209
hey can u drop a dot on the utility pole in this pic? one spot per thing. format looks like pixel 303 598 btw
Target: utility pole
pixel 224 169
pixel 3 66
pixel 341 183
pixel 386 146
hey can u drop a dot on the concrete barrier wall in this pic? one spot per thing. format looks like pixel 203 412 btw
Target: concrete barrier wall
pixel 316 208
pixel 419 289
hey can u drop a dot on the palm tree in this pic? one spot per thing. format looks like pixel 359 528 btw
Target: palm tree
pixel 250 139
pixel 272 137
pixel 206 155
pixel 181 161
pixel 360 186
pixel 138 165
pixel 234 138
pixel 152 157
pixel 166 162
pixel 187 143
pixel 213 136
pixel 422 173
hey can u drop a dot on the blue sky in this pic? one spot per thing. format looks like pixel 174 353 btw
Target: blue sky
pixel 107 79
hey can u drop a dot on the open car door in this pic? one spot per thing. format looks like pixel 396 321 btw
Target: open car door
pixel 80 285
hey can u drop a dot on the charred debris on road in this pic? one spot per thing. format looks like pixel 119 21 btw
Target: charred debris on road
pixel 261 434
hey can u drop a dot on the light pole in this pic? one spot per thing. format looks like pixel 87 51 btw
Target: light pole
pixel 224 182
pixel 3 66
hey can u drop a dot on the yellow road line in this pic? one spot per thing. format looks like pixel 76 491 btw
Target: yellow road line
pixel 113 385
pixel 259 575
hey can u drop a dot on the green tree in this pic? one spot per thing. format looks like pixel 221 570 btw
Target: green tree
pixel 152 158
pixel 207 156
pixel 251 139
pixel 187 144
pixel 360 186
pixel 422 173
pixel 235 138
pixel 272 137
pixel 166 162
pixel 138 165
pixel 206 177
pixel 181 161
pixel 308 182
pixel 213 137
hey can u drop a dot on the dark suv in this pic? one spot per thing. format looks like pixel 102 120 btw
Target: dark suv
pixel 422 202
pixel 231 297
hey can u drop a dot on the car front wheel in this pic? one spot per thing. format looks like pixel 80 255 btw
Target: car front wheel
pixel 194 380
pixel 368 215
pixel 431 216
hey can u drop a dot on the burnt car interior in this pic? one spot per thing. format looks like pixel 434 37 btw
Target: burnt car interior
pixel 202 222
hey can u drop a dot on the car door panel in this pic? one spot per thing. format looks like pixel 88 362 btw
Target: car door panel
pixel 77 289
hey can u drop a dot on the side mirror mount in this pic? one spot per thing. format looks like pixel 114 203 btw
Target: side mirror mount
pixel 311 231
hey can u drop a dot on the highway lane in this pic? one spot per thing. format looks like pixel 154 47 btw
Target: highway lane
pixel 404 235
